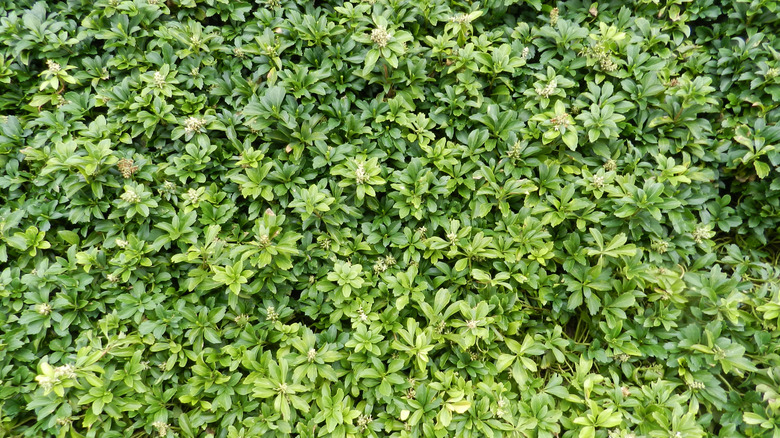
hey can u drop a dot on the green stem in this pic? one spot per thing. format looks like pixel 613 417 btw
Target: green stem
pixel 725 381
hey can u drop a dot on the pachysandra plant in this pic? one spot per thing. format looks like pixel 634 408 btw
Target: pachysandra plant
pixel 362 174
pixel 382 218
pixel 556 124
pixel 386 42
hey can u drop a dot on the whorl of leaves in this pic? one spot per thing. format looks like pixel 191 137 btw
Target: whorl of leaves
pixel 389 218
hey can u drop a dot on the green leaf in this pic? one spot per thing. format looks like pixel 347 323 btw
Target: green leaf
pixel 752 418
pixel 570 139
pixel 587 432
pixel 372 56
pixel 762 169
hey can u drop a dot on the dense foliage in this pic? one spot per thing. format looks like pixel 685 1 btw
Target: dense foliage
pixel 396 218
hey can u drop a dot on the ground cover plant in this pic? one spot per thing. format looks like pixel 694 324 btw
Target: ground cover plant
pixel 389 218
